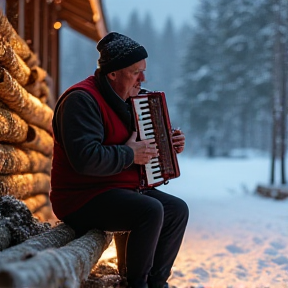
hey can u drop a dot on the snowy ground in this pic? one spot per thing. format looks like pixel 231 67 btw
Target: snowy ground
pixel 235 238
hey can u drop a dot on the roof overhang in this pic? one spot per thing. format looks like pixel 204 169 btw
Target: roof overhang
pixel 84 16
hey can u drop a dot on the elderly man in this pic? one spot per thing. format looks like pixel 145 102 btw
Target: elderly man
pixel 95 178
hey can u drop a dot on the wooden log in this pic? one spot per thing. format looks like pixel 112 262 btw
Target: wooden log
pixel 5 236
pixel 8 32
pixel 37 89
pixel 41 91
pixel 16 161
pixel 13 129
pixel 13 160
pixel 278 192
pixel 36 202
pixel 32 60
pixel 67 266
pixel 38 162
pixel 38 74
pixel 14 64
pixel 45 214
pixel 38 140
pixel 40 207
pixel 45 90
pixel 23 103
pixel 24 185
pixel 56 237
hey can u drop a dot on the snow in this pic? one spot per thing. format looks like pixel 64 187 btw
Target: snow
pixel 218 177
pixel 235 238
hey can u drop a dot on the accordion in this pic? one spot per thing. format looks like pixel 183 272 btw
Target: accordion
pixel 152 121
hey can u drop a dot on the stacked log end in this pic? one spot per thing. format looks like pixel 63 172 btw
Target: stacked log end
pixel 25 124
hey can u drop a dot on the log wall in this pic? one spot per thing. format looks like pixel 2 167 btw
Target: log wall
pixel 26 141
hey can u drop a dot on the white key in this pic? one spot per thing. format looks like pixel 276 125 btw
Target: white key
pixel 143 111
pixel 153 171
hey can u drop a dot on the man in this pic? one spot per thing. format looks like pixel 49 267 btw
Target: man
pixel 95 176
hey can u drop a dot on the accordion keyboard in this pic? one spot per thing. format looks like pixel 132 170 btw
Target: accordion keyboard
pixel 147 131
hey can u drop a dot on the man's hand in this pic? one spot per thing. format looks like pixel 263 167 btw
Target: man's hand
pixel 143 150
pixel 178 139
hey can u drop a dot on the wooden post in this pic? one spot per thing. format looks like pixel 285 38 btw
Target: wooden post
pixel 121 239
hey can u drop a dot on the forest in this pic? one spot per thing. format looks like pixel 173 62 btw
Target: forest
pixel 224 76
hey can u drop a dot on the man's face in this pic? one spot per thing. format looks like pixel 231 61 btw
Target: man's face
pixel 127 81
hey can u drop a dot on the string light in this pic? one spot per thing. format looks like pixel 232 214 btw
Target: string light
pixel 57 25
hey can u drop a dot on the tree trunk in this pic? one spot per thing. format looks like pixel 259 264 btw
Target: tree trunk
pixel 67 266
pixel 24 185
pixel 24 104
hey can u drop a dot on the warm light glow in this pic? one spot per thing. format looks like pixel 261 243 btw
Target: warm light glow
pixel 110 252
pixel 57 25
pixel 96 17
pixel 95 10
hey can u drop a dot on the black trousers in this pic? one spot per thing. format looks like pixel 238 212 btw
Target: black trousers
pixel 157 222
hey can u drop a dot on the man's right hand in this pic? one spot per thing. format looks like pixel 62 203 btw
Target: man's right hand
pixel 144 150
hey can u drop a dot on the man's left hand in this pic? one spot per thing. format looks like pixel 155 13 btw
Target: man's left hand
pixel 178 139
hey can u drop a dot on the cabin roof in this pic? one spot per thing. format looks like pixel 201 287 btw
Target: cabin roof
pixel 85 16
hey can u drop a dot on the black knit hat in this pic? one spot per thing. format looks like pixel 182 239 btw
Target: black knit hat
pixel 118 51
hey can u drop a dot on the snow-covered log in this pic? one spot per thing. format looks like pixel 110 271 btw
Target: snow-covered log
pixel 5 236
pixel 56 237
pixel 17 223
pixel 65 267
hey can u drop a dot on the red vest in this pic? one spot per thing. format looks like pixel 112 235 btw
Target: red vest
pixel 71 190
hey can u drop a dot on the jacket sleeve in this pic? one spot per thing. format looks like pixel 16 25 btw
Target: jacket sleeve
pixel 78 127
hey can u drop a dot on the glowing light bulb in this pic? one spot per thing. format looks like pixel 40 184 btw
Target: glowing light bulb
pixel 57 25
